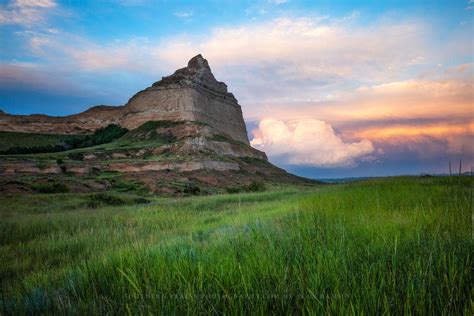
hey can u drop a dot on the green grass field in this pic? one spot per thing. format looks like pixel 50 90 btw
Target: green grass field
pixel 386 246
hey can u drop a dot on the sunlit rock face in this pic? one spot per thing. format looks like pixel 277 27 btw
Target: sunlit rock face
pixel 192 93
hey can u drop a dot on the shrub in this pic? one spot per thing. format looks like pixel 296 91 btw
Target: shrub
pixel 130 186
pixel 153 125
pixel 99 199
pixel 141 200
pixel 232 190
pixel 101 136
pixel 219 138
pixel 149 129
pixel 51 188
pixel 76 156
pixel 42 165
pixel 191 188
pixel 32 150
pixel 255 186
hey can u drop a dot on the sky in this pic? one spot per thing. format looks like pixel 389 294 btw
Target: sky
pixel 328 89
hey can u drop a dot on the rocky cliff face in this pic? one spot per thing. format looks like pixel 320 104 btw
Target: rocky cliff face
pixel 186 128
pixel 190 94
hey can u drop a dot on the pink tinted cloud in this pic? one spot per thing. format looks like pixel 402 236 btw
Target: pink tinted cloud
pixel 308 142
pixel 26 12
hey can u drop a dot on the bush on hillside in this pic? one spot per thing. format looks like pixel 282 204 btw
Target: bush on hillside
pixel 254 186
pixel 149 130
pixel 98 199
pixel 191 188
pixel 127 186
pixel 233 190
pixel 51 188
pixel 32 150
pixel 101 136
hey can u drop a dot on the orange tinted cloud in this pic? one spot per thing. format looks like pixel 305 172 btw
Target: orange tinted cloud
pixel 407 131
pixel 409 99
pixel 425 140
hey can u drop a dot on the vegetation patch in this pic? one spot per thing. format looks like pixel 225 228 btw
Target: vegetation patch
pixel 33 150
pixel 9 140
pixel 63 142
pixel 154 125
pixel 222 138
pixel 254 186
pixel 103 199
pixel 191 188
pixel 101 136
pixel 108 199
pixel 76 156
pixel 127 186
pixel 254 161
pixel 149 131
pixel 51 188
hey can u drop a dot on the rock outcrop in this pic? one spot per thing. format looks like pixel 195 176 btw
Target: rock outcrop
pixel 185 129
pixel 190 94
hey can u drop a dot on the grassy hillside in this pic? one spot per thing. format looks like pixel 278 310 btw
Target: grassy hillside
pixel 399 245
pixel 110 138
pixel 13 139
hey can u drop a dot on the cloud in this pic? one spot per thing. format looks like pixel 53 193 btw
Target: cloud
pixel 315 57
pixel 308 142
pixel 183 14
pixel 130 3
pixel 470 5
pixel 425 139
pixel 280 57
pixel 31 77
pixel 420 118
pixel 308 46
pixel 78 54
pixel 278 2
pixel 412 98
pixel 34 3
pixel 449 96
pixel 367 80
pixel 25 12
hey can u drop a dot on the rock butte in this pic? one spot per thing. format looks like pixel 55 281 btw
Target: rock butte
pixel 190 94
pixel 184 128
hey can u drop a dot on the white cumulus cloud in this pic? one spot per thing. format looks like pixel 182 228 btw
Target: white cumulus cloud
pixel 308 142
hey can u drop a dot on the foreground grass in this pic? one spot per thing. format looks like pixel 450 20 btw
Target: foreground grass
pixel 400 245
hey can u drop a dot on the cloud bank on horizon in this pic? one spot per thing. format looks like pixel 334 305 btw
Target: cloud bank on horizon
pixel 308 142
pixel 335 87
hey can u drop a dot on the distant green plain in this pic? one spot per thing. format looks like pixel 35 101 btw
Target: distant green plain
pixel 386 246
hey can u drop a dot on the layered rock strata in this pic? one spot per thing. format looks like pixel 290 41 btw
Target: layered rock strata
pixel 190 94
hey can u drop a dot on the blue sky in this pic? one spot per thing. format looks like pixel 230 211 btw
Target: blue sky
pixel 351 88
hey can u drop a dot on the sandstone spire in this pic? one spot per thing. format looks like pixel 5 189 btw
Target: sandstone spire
pixel 197 73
